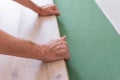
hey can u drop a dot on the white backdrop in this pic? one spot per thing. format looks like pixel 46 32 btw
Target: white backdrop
pixel 111 8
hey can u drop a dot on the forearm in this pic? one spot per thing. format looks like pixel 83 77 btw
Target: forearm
pixel 29 4
pixel 10 45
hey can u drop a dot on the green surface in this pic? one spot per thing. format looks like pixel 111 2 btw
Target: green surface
pixel 94 44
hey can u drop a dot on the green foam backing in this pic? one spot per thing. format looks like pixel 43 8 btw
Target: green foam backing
pixel 94 44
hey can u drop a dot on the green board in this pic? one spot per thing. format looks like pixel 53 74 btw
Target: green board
pixel 94 44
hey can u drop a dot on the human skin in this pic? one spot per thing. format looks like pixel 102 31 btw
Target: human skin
pixel 42 11
pixel 51 51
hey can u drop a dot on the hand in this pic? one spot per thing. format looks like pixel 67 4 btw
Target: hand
pixel 56 50
pixel 48 11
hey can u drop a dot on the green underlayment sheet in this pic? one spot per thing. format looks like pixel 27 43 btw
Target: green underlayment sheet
pixel 94 44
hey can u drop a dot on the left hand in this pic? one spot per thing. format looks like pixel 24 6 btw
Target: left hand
pixel 48 11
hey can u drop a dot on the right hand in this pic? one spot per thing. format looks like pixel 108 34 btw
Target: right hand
pixel 56 50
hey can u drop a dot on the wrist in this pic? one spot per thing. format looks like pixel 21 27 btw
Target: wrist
pixel 44 53
pixel 37 9
pixel 36 51
pixel 34 7
pixel 39 52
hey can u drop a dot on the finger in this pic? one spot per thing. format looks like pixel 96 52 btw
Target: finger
pixel 61 47
pixel 63 38
pixel 59 56
pixel 67 55
pixel 67 58
pixel 60 42
pixel 63 55
pixel 53 12
pixel 56 44
pixel 54 8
